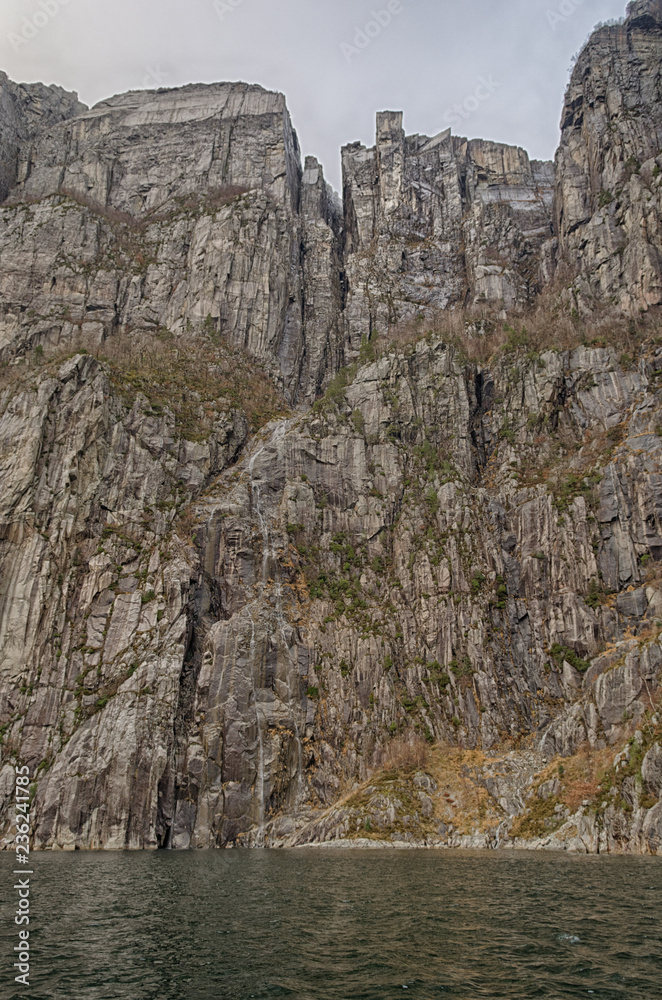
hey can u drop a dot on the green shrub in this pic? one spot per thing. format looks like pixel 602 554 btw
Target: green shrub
pixel 516 338
pixel 432 502
pixel 461 667
pixel 632 166
pixel 335 393
pixel 560 653
pixel 573 486
pixel 595 596
pixel 507 433
pixel 426 454
pixel 501 593
pixel 378 567
pixel 359 422
pixel 367 352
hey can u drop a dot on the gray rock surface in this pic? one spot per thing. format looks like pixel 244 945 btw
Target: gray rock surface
pixel 364 568
pixel 184 210
pixel 651 770
pixel 609 166
pixel 216 626
pixel 26 109
pixel 433 223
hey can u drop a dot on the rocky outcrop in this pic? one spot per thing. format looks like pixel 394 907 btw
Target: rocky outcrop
pixel 94 624
pixel 183 210
pixel 209 223
pixel 436 223
pixel 223 621
pixel 609 166
pixel 590 803
pixel 411 556
pixel 141 151
pixel 446 598
pixel 25 111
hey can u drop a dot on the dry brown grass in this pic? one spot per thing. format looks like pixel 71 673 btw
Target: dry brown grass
pixel 462 799
pixel 209 200
pixel 195 378
pixel 112 215
pixel 480 333
pixel 406 754
pixel 579 779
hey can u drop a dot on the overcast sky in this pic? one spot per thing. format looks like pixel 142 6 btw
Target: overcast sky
pixel 492 69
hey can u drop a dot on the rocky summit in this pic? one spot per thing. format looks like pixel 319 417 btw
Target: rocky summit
pixel 333 520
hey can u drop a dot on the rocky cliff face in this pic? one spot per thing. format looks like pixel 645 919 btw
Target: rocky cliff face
pixel 25 110
pixel 432 223
pixel 609 166
pixel 424 606
pixel 181 210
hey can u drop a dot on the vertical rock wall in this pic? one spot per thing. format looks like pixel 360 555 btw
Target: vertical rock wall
pixel 436 223
pixel 185 210
pixel 25 110
pixel 206 638
pixel 608 201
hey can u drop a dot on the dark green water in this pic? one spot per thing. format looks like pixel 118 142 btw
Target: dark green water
pixel 339 925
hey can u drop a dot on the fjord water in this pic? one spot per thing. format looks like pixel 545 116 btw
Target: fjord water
pixel 339 925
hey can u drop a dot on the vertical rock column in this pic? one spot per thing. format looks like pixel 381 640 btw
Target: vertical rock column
pixel 390 161
pixel 321 223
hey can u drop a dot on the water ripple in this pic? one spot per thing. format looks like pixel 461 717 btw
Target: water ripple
pixel 341 926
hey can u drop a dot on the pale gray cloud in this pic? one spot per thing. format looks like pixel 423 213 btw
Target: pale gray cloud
pixel 494 69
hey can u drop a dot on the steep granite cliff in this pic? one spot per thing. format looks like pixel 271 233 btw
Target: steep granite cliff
pixel 26 109
pixel 326 522
pixel 609 166
pixel 432 223
pixel 177 210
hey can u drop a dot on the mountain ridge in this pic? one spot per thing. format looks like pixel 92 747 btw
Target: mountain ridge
pixel 332 521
